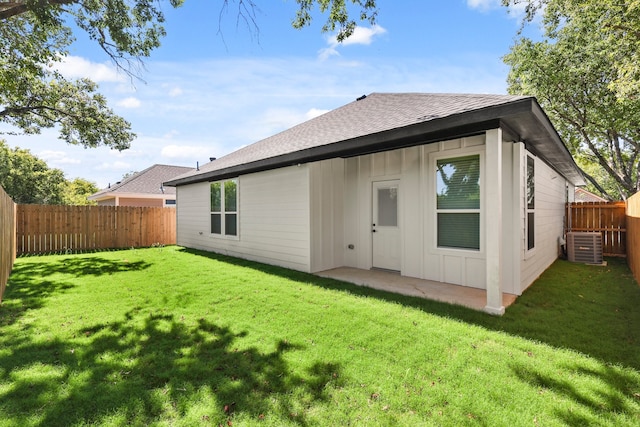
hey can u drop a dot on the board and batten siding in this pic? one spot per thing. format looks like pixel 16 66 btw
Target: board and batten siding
pixel 327 179
pixel 416 174
pixel 273 218
pixel 458 267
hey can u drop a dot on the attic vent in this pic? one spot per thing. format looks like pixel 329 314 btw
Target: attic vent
pixel 585 247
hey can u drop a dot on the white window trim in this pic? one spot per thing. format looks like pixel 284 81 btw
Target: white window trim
pixel 528 253
pixel 223 211
pixel 432 204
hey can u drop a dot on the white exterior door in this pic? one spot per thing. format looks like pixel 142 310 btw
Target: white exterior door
pixel 385 225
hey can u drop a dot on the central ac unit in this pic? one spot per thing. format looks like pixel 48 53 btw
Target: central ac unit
pixel 584 247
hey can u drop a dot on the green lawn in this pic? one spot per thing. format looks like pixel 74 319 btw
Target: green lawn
pixel 168 336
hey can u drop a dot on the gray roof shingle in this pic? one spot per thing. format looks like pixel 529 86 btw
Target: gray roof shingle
pixel 376 114
pixel 148 181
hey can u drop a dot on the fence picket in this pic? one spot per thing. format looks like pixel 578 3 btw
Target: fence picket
pixel 49 228
pixel 7 238
pixel 608 218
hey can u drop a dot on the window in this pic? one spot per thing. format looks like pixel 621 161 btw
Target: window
pixel 170 202
pixel 458 202
pixel 531 202
pixel 224 207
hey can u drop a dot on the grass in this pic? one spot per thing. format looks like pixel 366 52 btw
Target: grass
pixel 169 336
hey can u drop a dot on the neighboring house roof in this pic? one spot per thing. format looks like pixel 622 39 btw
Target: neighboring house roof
pixel 386 121
pixel 584 196
pixel 148 181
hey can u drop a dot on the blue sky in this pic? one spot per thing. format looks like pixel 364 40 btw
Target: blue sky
pixel 215 85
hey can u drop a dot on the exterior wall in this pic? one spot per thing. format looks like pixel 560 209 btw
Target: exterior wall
pixel 414 168
pixel 459 267
pixel 140 202
pixel 513 215
pixel 107 202
pixel 318 216
pixel 133 202
pixel 273 218
pixel 327 214
pixel 551 195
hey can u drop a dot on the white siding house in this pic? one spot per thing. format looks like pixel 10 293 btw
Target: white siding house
pixel 462 189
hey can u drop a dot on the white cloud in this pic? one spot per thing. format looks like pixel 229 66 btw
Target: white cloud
pixel 187 152
pixel 172 133
pixel 75 67
pixel 130 102
pixel 315 112
pixel 483 4
pixel 54 158
pixel 229 103
pixel 114 166
pixel 361 36
pixel 176 91
pixel 516 10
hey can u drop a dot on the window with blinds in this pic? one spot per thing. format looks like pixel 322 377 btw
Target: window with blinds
pixel 458 202
pixel 531 202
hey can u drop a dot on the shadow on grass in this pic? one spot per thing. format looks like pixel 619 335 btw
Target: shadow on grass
pixel 76 266
pixel 28 289
pixel 149 366
pixel 618 399
pixel 138 370
pixel 589 309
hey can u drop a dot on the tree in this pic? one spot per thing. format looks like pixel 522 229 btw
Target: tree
pixel 575 74
pixel 27 179
pixel 76 192
pixel 614 22
pixel 34 34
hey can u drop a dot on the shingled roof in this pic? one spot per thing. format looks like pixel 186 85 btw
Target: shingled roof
pixel 386 121
pixel 148 181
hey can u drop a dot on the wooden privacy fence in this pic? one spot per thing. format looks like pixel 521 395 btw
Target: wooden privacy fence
pixel 608 218
pixel 633 235
pixel 7 238
pixel 54 228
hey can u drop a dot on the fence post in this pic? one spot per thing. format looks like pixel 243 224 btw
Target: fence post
pixel 7 238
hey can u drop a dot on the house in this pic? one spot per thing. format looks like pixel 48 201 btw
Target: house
pixel 142 188
pixel 584 196
pixel 462 189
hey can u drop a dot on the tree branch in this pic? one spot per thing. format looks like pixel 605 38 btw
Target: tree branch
pixel 10 9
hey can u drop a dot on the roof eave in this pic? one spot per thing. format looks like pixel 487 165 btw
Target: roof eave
pixel 536 127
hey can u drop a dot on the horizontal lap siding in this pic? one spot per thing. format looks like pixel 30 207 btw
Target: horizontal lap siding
pixel 273 218
pixel 192 209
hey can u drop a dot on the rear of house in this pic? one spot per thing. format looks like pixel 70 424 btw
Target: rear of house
pixel 461 189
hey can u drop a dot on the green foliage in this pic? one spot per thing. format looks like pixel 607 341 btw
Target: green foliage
pixel 34 96
pixel 34 35
pixel 614 23
pixel 575 75
pixel 77 191
pixel 27 179
pixel 168 336
pixel 339 16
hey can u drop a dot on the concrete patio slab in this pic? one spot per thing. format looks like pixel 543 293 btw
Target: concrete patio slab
pixel 394 282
